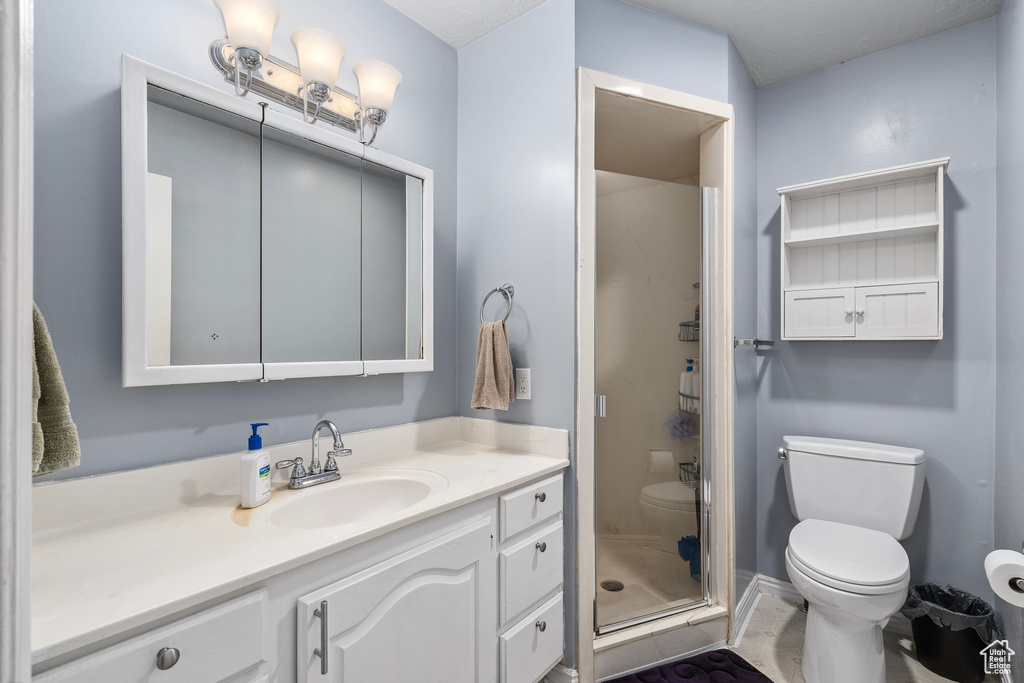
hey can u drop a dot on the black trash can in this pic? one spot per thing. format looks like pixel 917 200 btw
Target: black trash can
pixel 951 628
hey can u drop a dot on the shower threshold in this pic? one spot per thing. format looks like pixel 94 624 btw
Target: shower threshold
pixel 653 616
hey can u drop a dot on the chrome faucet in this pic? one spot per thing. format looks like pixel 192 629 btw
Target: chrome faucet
pixel 301 478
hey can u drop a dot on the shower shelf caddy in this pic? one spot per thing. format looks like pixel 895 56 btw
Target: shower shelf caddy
pixel 689 331
pixel 862 255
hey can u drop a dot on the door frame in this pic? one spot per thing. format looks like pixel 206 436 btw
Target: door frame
pixel 719 369
pixel 16 111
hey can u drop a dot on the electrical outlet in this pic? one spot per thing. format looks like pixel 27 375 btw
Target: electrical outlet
pixel 522 384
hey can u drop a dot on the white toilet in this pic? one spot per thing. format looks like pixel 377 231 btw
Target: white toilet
pixel 671 507
pixel 854 500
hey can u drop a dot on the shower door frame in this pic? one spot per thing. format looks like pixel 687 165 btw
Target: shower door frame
pixel 717 321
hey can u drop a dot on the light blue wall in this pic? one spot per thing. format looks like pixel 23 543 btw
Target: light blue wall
pixel 517 211
pixel 517 220
pixel 620 38
pixel 1009 453
pixel 929 98
pixel 78 224
pixel 743 96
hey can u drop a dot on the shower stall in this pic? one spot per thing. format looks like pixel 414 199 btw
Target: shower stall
pixel 655 344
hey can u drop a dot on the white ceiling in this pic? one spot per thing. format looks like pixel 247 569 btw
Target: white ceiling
pixel 460 22
pixel 778 39
pixel 788 38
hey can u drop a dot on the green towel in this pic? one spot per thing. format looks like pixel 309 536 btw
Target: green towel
pixel 54 436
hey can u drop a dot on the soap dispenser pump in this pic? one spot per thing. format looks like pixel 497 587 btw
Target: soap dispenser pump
pixel 255 471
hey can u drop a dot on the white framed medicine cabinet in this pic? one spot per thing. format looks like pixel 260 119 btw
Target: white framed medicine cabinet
pixel 862 255
pixel 257 247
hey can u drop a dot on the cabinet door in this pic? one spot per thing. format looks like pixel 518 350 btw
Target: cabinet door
pixel 428 615
pixel 898 311
pixel 819 313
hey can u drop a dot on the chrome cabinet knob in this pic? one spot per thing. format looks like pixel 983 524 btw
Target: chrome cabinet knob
pixel 167 657
pixel 542 626
pixel 541 546
pixel 541 496
pixel 860 311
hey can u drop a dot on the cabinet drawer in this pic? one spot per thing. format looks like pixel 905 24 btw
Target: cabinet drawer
pixel 530 570
pixel 531 505
pixel 216 644
pixel 527 652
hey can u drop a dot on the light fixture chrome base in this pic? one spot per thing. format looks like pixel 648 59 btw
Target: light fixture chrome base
pixel 374 117
pixel 281 82
pixel 319 93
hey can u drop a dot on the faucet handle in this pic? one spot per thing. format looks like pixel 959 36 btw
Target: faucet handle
pixel 299 470
pixel 331 465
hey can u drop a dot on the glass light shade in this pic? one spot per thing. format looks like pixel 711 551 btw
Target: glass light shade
pixel 320 54
pixel 250 23
pixel 377 84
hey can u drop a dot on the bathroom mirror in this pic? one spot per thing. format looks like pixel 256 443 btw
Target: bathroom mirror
pixel 257 247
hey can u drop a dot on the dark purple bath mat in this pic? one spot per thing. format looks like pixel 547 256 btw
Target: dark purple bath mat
pixel 717 666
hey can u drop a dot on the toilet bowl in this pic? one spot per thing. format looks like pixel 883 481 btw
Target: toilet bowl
pixel 671 507
pixel 854 579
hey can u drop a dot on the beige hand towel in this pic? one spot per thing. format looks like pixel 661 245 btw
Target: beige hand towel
pixel 54 436
pixel 494 388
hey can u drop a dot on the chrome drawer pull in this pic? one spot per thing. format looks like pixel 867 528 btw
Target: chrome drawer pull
pixel 321 651
pixel 541 546
pixel 167 657
pixel 541 496
pixel 542 625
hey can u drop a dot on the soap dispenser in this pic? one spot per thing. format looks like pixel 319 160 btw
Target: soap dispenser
pixel 255 471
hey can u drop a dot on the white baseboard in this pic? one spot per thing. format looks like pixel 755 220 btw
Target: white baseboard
pixel 562 674
pixel 744 610
pixel 776 588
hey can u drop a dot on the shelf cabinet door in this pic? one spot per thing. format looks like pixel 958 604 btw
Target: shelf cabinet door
pixel 815 313
pixel 428 615
pixel 898 311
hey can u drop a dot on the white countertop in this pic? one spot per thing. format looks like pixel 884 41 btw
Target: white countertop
pixel 113 552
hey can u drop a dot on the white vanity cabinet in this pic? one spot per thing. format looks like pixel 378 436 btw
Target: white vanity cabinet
pixel 458 607
pixel 862 255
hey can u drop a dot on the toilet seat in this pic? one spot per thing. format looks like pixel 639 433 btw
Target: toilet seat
pixel 672 495
pixel 849 558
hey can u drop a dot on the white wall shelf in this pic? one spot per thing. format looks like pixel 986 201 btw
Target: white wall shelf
pixel 862 255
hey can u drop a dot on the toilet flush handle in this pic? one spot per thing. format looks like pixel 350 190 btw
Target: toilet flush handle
pixel 783 453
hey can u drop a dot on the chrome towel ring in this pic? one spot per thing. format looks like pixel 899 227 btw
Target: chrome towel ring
pixel 509 291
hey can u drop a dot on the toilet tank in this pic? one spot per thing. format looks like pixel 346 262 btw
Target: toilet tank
pixel 868 485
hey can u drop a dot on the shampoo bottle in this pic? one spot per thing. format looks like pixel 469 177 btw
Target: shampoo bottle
pixel 255 471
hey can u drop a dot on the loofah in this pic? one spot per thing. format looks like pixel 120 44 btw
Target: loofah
pixel 679 426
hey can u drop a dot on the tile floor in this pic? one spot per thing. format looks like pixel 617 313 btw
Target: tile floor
pixel 773 642
pixel 654 579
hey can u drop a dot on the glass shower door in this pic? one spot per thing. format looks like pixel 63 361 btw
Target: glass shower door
pixel 651 490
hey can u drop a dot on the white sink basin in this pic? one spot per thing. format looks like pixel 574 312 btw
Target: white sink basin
pixel 356 498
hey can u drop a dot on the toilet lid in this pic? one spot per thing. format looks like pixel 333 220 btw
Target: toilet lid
pixel 850 554
pixel 669 494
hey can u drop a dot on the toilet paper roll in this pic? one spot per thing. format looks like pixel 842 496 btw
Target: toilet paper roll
pixel 1003 568
pixel 660 462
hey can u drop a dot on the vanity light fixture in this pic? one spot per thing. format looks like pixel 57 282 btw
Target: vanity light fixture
pixel 244 59
pixel 377 84
pixel 320 54
pixel 250 26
